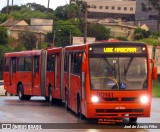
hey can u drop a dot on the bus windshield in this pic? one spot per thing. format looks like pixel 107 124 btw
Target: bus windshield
pixel 118 73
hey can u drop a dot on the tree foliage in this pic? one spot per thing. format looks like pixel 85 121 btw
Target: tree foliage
pixel 10 9
pixel 61 12
pixel 150 41
pixel 3 18
pixel 98 31
pixel 63 31
pixel 28 40
pixel 141 33
pixel 26 14
pixel 34 6
pixel 4 39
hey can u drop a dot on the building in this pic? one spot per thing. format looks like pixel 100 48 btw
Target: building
pixel 43 25
pixel 15 27
pixel 127 10
pixel 118 28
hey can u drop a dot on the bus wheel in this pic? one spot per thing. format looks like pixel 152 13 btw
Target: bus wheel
pixel 50 96
pixel 133 120
pixel 27 97
pixel 20 92
pixel 47 98
pixel 79 108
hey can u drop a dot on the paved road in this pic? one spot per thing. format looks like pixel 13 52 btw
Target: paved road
pixel 12 110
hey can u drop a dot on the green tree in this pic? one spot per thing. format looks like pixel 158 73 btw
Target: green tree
pixel 3 18
pixel 4 39
pixel 122 38
pixel 153 5
pixel 4 49
pixel 28 40
pixel 10 8
pixel 63 31
pixel 150 41
pixel 61 12
pixel 141 33
pixel 34 6
pixel 98 31
pixel 26 14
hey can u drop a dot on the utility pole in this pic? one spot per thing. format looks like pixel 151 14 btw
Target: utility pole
pixel 12 5
pixel 85 21
pixel 48 4
pixel 54 36
pixel 7 7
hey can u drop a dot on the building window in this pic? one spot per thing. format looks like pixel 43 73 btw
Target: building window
pixel 125 8
pixel 119 8
pixel 94 6
pixel 100 7
pixel 107 7
pixel 113 7
pixel 131 9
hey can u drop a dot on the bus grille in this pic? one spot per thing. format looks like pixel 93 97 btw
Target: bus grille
pixel 118 110
pixel 121 99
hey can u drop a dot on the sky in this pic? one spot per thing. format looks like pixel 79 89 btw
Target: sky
pixel 53 3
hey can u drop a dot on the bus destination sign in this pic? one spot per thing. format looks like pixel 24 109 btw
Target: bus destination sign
pixel 117 50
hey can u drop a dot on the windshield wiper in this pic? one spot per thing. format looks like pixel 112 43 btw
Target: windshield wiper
pixel 129 63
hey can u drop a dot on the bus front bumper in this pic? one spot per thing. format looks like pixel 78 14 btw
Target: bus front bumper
pixel 117 110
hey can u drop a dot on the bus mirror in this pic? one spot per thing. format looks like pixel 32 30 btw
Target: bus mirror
pixel 154 73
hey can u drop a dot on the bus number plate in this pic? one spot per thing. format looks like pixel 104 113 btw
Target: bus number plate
pixel 105 95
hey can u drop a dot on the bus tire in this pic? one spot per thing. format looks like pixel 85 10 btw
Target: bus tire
pixel 50 96
pixel 27 97
pixel 133 120
pixel 21 92
pixel 79 112
pixel 47 98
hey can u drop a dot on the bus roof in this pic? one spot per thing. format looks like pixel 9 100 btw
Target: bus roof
pixel 22 53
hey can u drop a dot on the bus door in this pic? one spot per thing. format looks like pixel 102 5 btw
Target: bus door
pixel 75 81
pixel 36 76
pixel 13 74
pixel 57 73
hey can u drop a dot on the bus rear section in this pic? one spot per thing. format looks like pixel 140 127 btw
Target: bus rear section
pixel 118 81
pixel 22 73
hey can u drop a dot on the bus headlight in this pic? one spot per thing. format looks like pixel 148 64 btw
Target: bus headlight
pixel 95 99
pixel 144 99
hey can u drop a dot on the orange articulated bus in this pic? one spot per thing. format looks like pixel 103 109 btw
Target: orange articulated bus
pixel 100 80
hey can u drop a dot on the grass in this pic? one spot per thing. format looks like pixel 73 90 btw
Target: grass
pixel 156 88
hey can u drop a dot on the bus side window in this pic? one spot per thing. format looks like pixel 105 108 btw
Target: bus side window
pixel 76 63
pixel 20 64
pixel 14 64
pixel 7 62
pixel 51 62
pixel 28 64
